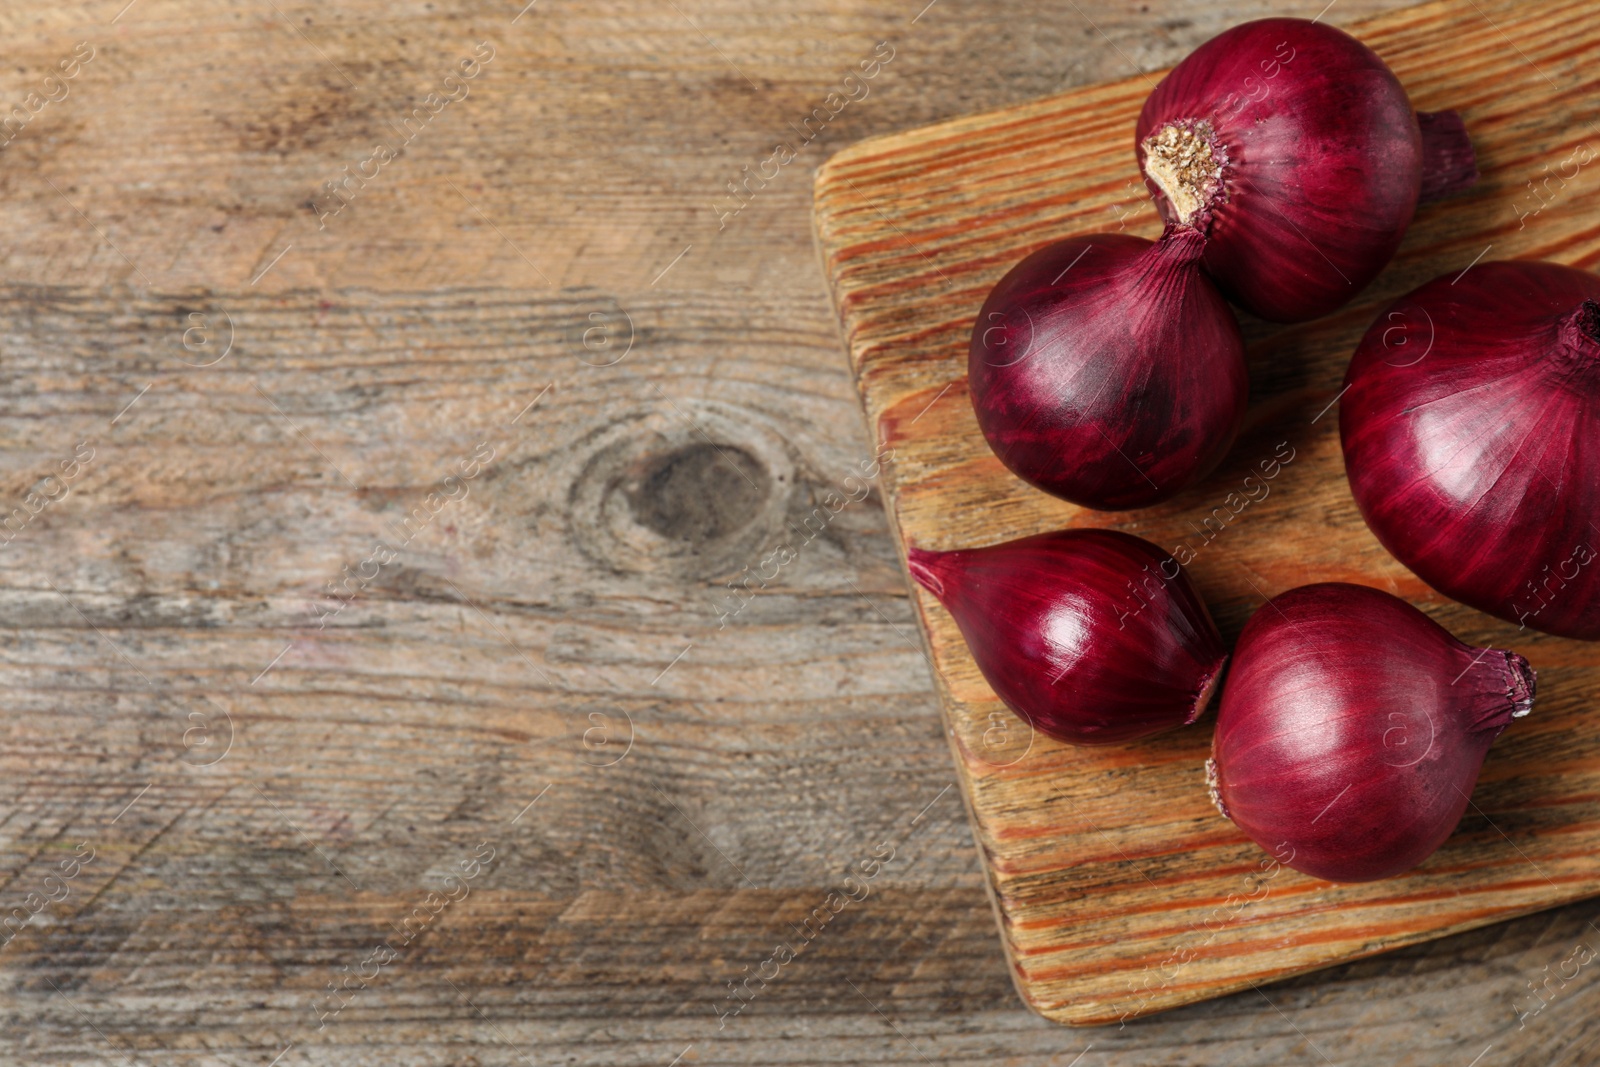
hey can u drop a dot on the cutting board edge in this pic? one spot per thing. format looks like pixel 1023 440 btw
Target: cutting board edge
pixel 891 512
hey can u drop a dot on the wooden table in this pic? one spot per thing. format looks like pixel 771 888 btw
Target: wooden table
pixel 368 560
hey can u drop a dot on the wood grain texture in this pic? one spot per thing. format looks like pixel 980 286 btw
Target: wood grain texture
pixel 771 757
pixel 1120 891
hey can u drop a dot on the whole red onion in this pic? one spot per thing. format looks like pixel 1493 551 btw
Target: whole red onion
pixel 1352 728
pixel 1093 636
pixel 1295 150
pixel 1471 432
pixel 1108 370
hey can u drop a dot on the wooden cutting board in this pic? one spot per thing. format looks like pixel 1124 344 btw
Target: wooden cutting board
pixel 1118 889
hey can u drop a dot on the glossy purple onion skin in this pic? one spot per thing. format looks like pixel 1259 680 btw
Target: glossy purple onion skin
pixel 1106 370
pixel 1471 432
pixel 1055 629
pixel 1323 170
pixel 1352 729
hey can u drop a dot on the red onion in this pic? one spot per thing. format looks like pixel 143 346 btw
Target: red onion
pixel 1294 149
pixel 1470 436
pixel 1352 729
pixel 1093 636
pixel 1108 370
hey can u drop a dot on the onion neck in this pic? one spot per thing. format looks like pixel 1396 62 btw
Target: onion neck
pixel 1166 268
pixel 1496 688
pixel 1208 689
pixel 1179 246
pixel 923 566
pixel 1185 160
pixel 1449 165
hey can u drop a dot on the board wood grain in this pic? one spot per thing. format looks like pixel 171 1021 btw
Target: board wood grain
pixel 1119 890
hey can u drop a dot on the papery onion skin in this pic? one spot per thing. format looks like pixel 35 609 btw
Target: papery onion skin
pixel 1082 632
pixel 1321 157
pixel 1471 433
pixel 1107 370
pixel 1352 729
